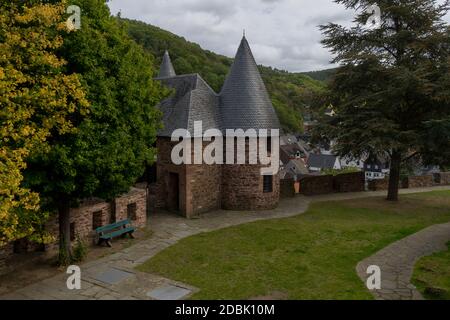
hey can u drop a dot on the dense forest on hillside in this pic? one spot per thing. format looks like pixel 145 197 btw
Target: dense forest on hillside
pixel 290 92
pixel 322 75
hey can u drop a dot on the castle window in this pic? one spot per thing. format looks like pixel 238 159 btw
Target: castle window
pixel 268 184
pixel 132 211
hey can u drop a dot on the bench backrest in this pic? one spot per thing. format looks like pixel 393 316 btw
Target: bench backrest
pixel 113 226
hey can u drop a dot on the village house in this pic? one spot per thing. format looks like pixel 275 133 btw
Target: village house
pixel 320 162
pixel 376 169
pixel 295 169
pixel 243 103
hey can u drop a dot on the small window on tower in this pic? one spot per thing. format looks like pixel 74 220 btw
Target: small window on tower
pixel 268 184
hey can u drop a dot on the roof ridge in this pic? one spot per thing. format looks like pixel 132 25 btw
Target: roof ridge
pixel 206 84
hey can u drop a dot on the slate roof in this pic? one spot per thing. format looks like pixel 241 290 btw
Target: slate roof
pixel 286 175
pixel 288 139
pixel 244 101
pixel 166 70
pixel 304 146
pixel 193 100
pixel 288 152
pixel 297 167
pixel 242 104
pixel 321 161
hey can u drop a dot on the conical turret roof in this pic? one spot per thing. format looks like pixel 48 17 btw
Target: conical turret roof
pixel 166 70
pixel 244 101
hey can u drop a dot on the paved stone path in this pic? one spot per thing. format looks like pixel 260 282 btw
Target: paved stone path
pixel 167 230
pixel 397 262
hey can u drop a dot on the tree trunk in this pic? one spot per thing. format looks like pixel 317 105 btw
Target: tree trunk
pixel 65 248
pixel 394 176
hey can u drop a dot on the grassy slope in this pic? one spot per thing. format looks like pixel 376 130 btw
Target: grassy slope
pixel 310 256
pixel 434 272
pixel 290 92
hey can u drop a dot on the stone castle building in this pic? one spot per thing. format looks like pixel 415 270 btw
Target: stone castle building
pixel 243 103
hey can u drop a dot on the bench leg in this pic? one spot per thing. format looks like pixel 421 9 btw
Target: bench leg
pixel 108 243
pixel 131 235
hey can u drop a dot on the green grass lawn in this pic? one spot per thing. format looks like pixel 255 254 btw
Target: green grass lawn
pixel 310 256
pixel 432 276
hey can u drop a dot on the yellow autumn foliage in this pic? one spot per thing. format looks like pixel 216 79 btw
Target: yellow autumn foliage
pixel 36 99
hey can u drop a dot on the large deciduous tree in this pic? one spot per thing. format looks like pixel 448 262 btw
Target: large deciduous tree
pixel 114 142
pixel 391 94
pixel 36 101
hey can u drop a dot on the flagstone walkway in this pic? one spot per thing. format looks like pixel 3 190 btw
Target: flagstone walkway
pixel 397 262
pixel 114 277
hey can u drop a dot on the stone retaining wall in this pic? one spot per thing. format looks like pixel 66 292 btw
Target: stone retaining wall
pixel 91 214
pixel 350 182
pixel 315 185
pixel 444 178
pixel 287 188
pixel 380 184
pixel 410 182
pixel 132 206
pixel 418 182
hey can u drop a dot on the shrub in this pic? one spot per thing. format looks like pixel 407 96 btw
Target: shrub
pixel 80 251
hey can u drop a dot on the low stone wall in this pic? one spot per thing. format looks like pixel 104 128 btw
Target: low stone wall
pixel 444 178
pixel 419 182
pixel 287 189
pixel 90 215
pixel 315 185
pixel 132 206
pixel 410 182
pixel 380 184
pixel 95 213
pixel 350 182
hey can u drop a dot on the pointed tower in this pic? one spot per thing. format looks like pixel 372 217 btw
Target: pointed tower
pixel 244 101
pixel 245 104
pixel 166 70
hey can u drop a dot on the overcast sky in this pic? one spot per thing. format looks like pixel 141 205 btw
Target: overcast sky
pixel 282 33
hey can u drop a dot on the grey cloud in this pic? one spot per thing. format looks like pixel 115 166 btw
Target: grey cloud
pixel 283 33
pixel 218 8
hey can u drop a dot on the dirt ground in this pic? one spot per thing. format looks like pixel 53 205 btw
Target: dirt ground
pixel 37 266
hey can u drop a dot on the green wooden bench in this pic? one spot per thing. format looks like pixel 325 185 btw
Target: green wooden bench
pixel 118 229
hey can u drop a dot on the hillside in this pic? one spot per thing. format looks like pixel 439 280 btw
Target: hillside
pixel 322 75
pixel 290 92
